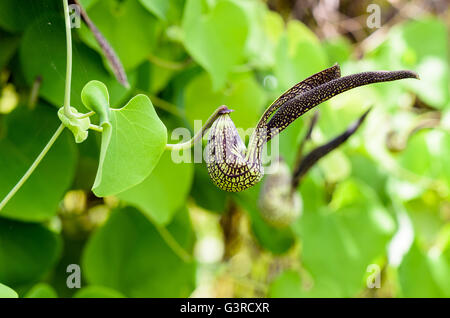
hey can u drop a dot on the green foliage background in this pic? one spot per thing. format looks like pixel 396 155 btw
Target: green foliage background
pixel 382 198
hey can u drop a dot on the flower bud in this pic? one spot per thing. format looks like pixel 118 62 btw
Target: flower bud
pixel 279 204
pixel 227 163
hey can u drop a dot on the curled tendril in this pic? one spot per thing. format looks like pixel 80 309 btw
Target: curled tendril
pixel 79 126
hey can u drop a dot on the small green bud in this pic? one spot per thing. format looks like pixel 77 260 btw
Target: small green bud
pixel 78 126
pixel 96 98
pixel 279 205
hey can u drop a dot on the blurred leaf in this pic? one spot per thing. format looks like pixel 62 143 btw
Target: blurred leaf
pixel 339 112
pixel 335 166
pixel 438 142
pixel 27 133
pixel 9 44
pixel 130 29
pixel 433 88
pixel 286 285
pixel 419 45
pixel 427 39
pixel 131 146
pixel 265 27
pixel 163 192
pixel 129 255
pixel 205 193
pixel 87 164
pixel 41 290
pixel 298 55
pixel 16 15
pixel 162 66
pixel 157 7
pixel 338 49
pixel 98 292
pixel 321 151
pixel 87 3
pixel 273 26
pixel 6 292
pixel 285 144
pixel 426 155
pixel 335 250
pixel 244 96
pixel 27 252
pixel 276 240
pixel 43 52
pixel 426 217
pixel 113 61
pixel 424 274
pixel 416 157
pixel 215 34
pixel 369 172
pixel 312 192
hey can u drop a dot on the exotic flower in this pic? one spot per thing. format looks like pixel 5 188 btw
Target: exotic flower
pixel 232 166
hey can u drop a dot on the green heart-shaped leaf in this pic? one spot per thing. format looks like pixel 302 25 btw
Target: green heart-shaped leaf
pixel 217 39
pixel 274 239
pixel 98 292
pixel 96 98
pixel 347 247
pixel 6 292
pixel 163 192
pixel 129 255
pixel 423 274
pixel 298 55
pixel 157 7
pixel 129 28
pixel 244 95
pixel 42 53
pixel 41 290
pixel 27 252
pixel 16 15
pixel 132 142
pixel 26 134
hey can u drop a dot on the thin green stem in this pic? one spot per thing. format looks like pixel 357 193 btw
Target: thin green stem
pixel 91 113
pixel 66 105
pixel 198 136
pixel 170 65
pixel 165 105
pixel 162 104
pixel 32 167
pixel 34 94
pixel 67 111
pixel 173 244
pixel 96 128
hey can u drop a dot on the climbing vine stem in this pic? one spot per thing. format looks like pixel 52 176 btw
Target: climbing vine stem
pixel 67 111
pixel 173 244
pixel 32 167
pixel 66 104
pixel 198 136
